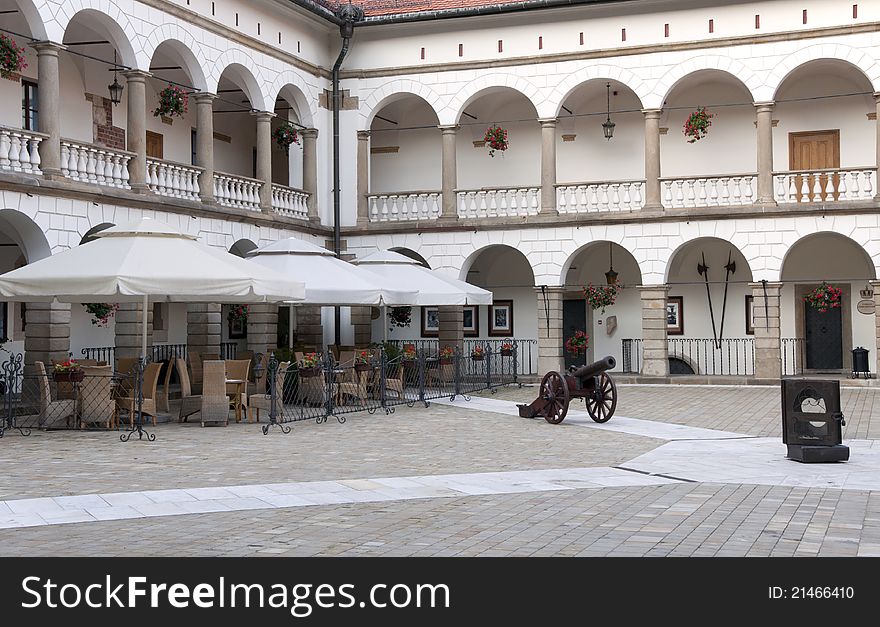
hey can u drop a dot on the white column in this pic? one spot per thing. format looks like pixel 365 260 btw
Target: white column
pixel 310 170
pixel 136 133
pixel 653 199
pixel 449 173
pixel 764 113
pixel 264 158
pixel 48 97
pixel 548 165
pixel 205 144
pixel 363 177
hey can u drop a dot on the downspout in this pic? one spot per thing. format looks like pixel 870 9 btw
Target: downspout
pixel 348 14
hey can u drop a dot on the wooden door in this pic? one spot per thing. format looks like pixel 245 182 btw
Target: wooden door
pixel 811 151
pixel 824 338
pixel 155 145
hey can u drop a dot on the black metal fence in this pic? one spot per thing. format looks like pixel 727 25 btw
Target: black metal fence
pixel 158 352
pixel 526 350
pixel 697 356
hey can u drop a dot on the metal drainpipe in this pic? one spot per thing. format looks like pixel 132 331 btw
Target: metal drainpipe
pixel 348 15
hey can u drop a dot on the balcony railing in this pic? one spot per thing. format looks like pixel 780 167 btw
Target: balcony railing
pixel 499 203
pixel 820 186
pixel 95 164
pixel 697 356
pixel 596 197
pixel 404 206
pixel 177 180
pixel 18 150
pixel 793 356
pixel 290 202
pixel 709 191
pixel 241 192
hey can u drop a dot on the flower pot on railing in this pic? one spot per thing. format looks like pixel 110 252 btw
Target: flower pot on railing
pixel 362 367
pixel 506 352
pixel 477 357
pixel 445 361
pixel 311 371
pixel 70 376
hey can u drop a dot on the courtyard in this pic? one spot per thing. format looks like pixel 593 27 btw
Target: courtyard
pixel 678 471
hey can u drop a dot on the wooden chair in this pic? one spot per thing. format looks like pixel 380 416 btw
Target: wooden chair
pixel 96 401
pixel 237 369
pixel 151 383
pixel 215 403
pixel 256 402
pixel 51 411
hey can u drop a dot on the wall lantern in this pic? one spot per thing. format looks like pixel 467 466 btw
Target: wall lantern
pixel 611 275
pixel 115 88
pixel 608 125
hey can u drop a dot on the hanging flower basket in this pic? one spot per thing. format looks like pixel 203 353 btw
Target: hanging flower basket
pixel 101 312
pixel 506 349
pixel 478 353
pixel 496 139
pixel 285 135
pixel 696 127
pixel 362 361
pixel 238 313
pixel 173 102
pixel 577 344
pixel 825 297
pixel 409 352
pixel 400 316
pixel 309 365
pixel 446 354
pixel 601 296
pixel 11 57
pixel 68 371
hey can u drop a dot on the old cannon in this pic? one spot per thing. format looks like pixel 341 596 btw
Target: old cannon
pixel 591 383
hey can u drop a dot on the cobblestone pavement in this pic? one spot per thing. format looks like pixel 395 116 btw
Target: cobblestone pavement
pixel 754 410
pixel 674 520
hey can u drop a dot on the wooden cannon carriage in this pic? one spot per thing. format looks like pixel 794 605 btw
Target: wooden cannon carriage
pixel 591 383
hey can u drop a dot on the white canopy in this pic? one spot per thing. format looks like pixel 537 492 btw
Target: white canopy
pixel 328 280
pixel 432 288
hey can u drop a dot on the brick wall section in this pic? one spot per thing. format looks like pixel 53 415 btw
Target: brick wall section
pixel 103 131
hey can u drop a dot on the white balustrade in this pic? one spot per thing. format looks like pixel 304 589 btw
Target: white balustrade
pixel 19 150
pixel 821 186
pixel 499 203
pixel 597 197
pixel 237 191
pixel 173 179
pixel 290 202
pixel 404 206
pixel 709 191
pixel 95 164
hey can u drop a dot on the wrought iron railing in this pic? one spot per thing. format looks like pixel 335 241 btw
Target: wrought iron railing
pixel 793 353
pixel 99 353
pixel 527 350
pixel 699 356
pixel 631 356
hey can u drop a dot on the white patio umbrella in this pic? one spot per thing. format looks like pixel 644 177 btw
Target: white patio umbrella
pixel 147 261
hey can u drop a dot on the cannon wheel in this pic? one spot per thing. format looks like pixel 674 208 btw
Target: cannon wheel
pixel 602 401
pixel 554 390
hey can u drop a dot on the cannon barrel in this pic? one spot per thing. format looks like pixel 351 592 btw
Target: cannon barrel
pixel 595 368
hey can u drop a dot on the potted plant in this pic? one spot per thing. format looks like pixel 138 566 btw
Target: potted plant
pixel 285 135
pixel 824 297
pixel 69 371
pixel 496 139
pixel 478 353
pixel 577 344
pixel 309 366
pixel 362 361
pixel 101 312
pixel 601 296
pixel 238 313
pixel 506 348
pixel 400 316
pixel 696 127
pixel 446 354
pixel 173 102
pixel 409 352
pixel 11 57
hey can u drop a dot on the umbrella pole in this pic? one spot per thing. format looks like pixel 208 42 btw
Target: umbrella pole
pixel 384 318
pixel 290 326
pixel 138 427
pixel 144 329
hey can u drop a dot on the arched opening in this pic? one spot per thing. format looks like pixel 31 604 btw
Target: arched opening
pixel 287 163
pixel 709 307
pixel 235 135
pixel 620 321
pixel 821 107
pixel 584 155
pixel 19 98
pixel 823 341
pixel 720 167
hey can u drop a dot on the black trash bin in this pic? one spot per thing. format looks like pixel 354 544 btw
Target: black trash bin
pixel 860 362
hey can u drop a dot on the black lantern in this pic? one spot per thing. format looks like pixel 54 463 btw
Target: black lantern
pixel 611 275
pixel 608 125
pixel 115 88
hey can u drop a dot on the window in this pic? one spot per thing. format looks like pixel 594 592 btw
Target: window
pixel 193 140
pixel 155 145
pixel 30 120
pixel 159 316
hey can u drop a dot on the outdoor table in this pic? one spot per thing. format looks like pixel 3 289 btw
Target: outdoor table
pixel 238 383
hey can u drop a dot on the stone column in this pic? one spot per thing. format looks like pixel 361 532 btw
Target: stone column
pixel 653 199
pixel 262 327
pixel 655 354
pixel 548 166
pixel 309 330
pixel 205 144
pixel 550 346
pixel 136 133
pixel 310 170
pixel 764 112
pixel 48 97
pixel 203 330
pixel 363 177
pixel 264 158
pixel 362 321
pixel 449 209
pixel 768 361
pixel 47 334
pixel 129 332
pixel 877 159
pixel 875 285
pixel 451 331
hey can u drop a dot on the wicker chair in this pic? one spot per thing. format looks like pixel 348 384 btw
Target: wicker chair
pixel 314 389
pixel 396 382
pixel 151 383
pixel 189 403
pixel 441 376
pixel 96 401
pixel 162 401
pixel 256 402
pixel 237 369
pixel 124 365
pixel 195 368
pixel 51 411
pixel 215 403
pixel 358 387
